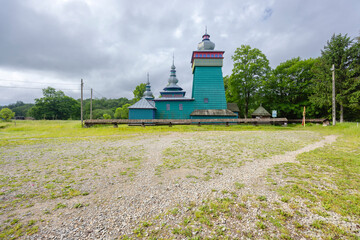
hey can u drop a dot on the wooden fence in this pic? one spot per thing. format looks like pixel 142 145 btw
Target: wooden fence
pixel 170 122
pixel 323 121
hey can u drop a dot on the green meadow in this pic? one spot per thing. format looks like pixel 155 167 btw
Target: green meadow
pixel 49 168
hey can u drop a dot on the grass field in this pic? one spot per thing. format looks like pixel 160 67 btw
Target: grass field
pixel 208 182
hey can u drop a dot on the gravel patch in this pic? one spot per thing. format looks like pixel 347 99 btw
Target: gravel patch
pixel 119 183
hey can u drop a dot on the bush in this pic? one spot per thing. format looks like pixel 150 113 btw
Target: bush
pixel 6 114
pixel 107 116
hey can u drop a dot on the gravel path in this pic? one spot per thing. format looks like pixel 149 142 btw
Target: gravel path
pixel 119 206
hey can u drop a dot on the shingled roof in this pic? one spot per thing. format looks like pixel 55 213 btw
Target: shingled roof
pixel 261 112
pixel 143 104
pixel 233 107
pixel 213 112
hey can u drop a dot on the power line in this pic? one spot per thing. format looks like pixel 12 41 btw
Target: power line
pixel 39 88
pixel 6 80
pixel 99 93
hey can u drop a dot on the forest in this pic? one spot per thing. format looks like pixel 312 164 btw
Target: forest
pixel 287 88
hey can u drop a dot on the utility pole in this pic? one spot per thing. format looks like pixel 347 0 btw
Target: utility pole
pixel 91 104
pixel 82 89
pixel 333 96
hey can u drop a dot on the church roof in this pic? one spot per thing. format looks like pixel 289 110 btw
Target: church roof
pixel 172 81
pixel 143 104
pixel 213 112
pixel 148 94
pixel 206 44
pixel 261 112
pixel 233 107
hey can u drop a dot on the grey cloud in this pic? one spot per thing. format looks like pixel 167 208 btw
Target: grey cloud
pixel 113 44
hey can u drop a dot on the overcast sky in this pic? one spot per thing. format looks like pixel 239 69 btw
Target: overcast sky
pixel 112 44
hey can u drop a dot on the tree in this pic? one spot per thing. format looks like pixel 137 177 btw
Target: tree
pixel 19 108
pixel 344 54
pixel 102 106
pixel 122 112
pixel 251 68
pixel 6 114
pixel 107 116
pixel 352 88
pixel 288 88
pixel 337 52
pixel 55 105
pixel 139 91
pixel 321 91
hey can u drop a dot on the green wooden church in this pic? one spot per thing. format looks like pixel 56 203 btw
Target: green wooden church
pixel 208 93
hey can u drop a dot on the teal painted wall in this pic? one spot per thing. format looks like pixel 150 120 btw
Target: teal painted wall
pixel 174 112
pixel 141 113
pixel 208 83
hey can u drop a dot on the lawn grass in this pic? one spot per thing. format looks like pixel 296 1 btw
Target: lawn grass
pixel 27 132
pixel 328 177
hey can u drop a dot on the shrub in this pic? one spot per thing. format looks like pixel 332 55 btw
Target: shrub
pixel 6 114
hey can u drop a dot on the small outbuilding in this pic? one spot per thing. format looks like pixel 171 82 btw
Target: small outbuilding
pixel 234 108
pixel 261 112
pixel 145 107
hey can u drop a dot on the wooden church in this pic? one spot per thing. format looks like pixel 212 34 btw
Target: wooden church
pixel 208 93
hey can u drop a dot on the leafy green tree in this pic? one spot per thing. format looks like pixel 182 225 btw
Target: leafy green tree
pixel 102 106
pixel 337 52
pixel 55 105
pixel 122 112
pixel 6 114
pixel 352 86
pixel 288 88
pixel 19 108
pixel 107 116
pixel 139 91
pixel 251 68
pixel 344 53
pixel 320 97
pixel 227 89
pixel 99 113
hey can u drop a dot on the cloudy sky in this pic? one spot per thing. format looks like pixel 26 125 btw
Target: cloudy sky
pixel 112 44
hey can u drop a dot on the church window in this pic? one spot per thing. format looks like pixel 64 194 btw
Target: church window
pixel 216 55
pixel 212 55
pixel 206 100
pixel 180 107
pixel 197 55
pixel 208 55
pixel 168 107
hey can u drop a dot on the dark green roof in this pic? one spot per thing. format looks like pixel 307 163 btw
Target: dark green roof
pixel 261 112
pixel 233 107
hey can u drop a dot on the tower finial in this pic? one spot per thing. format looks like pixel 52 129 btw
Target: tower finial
pixel 205 29
pixel 173 59
pixel 148 94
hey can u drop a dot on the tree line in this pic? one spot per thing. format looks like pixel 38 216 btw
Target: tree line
pixel 55 105
pixel 287 88
pixel 297 82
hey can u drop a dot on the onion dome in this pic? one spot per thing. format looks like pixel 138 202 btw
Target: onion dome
pixel 206 44
pixel 172 82
pixel 148 94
